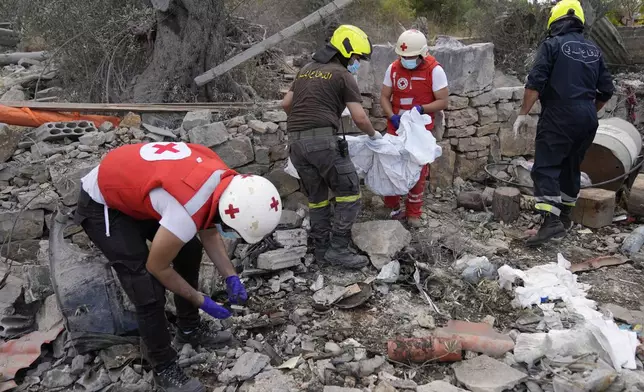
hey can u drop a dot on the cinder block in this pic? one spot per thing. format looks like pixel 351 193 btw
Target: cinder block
pixel 61 130
pixel 595 208
pixel 281 258
pixel 291 238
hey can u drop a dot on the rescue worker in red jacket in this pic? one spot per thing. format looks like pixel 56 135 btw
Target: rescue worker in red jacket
pixel 415 80
pixel 167 193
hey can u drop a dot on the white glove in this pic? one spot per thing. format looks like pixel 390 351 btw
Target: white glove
pixel 521 122
pixel 376 136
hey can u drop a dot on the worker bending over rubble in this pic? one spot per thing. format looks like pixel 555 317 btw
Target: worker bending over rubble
pixel 570 79
pixel 318 96
pixel 415 80
pixel 167 193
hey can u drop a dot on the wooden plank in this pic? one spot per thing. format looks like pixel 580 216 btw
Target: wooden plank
pixel 13 58
pixel 143 108
pixel 271 41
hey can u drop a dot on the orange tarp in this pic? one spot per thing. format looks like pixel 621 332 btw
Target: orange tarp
pixel 34 118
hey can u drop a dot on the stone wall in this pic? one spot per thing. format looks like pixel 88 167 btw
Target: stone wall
pixel 477 126
pixel 633 38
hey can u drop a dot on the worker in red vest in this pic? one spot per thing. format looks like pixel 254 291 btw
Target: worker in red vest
pixel 167 193
pixel 415 80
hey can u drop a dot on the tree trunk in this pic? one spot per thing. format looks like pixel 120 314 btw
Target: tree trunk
pixel 506 204
pixel 190 38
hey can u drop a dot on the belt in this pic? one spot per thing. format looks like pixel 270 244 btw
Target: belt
pixel 315 133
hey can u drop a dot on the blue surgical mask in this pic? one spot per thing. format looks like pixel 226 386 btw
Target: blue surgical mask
pixel 353 68
pixel 409 63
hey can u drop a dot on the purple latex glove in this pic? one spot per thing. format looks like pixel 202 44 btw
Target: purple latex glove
pixel 395 120
pixel 236 291
pixel 420 109
pixel 217 311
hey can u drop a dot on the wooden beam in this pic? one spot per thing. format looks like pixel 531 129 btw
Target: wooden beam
pixel 142 108
pixel 271 41
pixel 13 58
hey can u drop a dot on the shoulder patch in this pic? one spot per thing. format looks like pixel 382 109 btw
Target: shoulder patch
pixel 165 151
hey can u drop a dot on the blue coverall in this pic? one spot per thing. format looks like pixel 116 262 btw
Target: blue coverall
pixel 570 75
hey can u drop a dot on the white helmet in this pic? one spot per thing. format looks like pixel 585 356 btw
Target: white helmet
pixel 412 43
pixel 252 206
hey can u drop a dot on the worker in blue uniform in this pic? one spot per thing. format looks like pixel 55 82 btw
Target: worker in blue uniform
pixel 570 79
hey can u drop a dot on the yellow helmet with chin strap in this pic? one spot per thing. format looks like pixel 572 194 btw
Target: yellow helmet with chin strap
pixel 349 40
pixel 566 9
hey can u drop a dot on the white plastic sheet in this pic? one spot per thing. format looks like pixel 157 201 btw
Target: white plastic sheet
pixel 391 166
pixel 555 281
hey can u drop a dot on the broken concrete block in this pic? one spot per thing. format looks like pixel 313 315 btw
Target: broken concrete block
pixel 38 284
pixel 329 388
pixel 39 199
pixel 258 126
pixel 94 381
pixel 236 152
pixel 281 258
pixel 196 118
pixel 290 220
pixel 262 155
pixel 487 115
pixel 439 386
pixel 95 139
pixel 58 378
pixel 236 122
pixel 246 367
pixel 473 144
pixel 28 225
pixel 595 208
pixel 381 240
pixel 66 179
pixel 49 314
pixel 210 135
pixel 291 238
pixel 275 116
pixel 284 182
pixel 9 138
pixel 9 294
pixel 60 130
pixel 457 103
pixel 485 374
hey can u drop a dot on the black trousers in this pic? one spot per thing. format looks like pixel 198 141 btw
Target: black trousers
pixel 564 134
pixel 127 251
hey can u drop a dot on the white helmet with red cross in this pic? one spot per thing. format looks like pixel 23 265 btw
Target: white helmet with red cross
pixel 251 205
pixel 412 43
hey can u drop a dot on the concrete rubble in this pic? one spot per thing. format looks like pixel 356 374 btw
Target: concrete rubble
pixel 310 326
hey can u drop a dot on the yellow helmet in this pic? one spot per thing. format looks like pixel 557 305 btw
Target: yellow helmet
pixel 566 9
pixel 349 40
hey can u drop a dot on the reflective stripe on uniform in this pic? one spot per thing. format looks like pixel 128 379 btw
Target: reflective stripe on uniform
pixel 347 199
pixel 406 101
pixel 569 203
pixel 552 199
pixel 204 193
pixel 547 208
pixel 321 204
pixel 568 200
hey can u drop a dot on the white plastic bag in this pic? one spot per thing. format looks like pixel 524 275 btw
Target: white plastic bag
pixel 391 166
pixel 420 144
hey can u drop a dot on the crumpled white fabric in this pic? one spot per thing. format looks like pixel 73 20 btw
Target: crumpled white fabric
pixel 391 166
pixel 556 281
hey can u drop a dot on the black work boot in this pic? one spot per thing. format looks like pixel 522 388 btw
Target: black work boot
pixel 202 336
pixel 551 228
pixel 566 220
pixel 320 248
pixel 339 253
pixel 173 379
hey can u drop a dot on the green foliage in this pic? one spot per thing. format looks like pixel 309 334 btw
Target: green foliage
pixel 97 45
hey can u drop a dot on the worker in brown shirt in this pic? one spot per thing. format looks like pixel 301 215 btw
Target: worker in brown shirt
pixel 315 102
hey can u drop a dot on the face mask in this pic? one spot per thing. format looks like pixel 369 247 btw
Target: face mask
pixel 353 68
pixel 409 63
